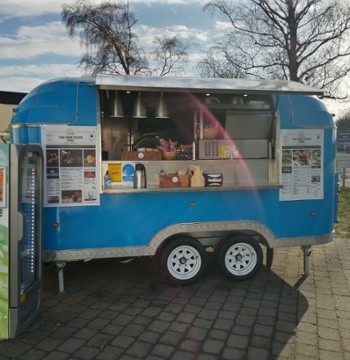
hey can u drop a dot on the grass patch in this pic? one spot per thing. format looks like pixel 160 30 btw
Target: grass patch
pixel 342 229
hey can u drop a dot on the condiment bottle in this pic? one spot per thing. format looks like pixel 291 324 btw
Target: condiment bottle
pixel 107 181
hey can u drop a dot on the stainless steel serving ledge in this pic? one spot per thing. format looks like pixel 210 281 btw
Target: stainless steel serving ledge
pixel 193 189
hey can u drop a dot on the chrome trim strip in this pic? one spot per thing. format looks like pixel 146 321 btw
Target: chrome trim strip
pixel 17 126
pixel 302 241
pixel 177 83
pixel 98 253
pixel 211 226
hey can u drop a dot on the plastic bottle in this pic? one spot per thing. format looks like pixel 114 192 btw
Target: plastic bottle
pixel 107 181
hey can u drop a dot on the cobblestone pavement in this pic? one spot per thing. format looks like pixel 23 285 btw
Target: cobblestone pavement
pixel 114 309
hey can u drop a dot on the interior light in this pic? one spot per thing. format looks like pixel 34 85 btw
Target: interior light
pixel 139 108
pixel 162 109
pixel 116 109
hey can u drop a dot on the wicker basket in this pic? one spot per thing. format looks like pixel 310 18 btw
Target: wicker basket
pixel 208 133
pixel 169 155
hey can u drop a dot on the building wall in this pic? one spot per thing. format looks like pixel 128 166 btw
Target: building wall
pixel 5 115
pixel 8 101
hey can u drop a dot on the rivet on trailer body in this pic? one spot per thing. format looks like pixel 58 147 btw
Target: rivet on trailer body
pixel 313 213
pixel 193 203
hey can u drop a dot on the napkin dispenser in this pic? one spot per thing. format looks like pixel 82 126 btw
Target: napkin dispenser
pixel 213 179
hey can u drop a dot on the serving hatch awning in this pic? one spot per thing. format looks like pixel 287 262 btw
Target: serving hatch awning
pixel 193 84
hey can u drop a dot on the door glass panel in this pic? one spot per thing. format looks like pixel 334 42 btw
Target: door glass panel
pixel 29 207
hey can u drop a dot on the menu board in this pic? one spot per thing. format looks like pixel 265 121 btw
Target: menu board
pixel 71 170
pixel 301 164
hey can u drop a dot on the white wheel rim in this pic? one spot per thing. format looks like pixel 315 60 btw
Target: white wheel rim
pixel 184 262
pixel 240 259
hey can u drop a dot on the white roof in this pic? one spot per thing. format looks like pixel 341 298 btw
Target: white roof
pixel 174 83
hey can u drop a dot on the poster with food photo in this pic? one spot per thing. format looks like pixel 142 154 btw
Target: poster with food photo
pixel 301 164
pixel 71 166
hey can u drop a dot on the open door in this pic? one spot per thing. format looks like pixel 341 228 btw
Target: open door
pixel 25 270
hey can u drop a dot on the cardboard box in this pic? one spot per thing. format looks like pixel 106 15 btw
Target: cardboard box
pixel 174 181
pixel 184 180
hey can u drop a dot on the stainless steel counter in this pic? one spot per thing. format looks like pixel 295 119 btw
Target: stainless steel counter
pixel 195 189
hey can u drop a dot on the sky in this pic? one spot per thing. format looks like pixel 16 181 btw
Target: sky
pixel 35 47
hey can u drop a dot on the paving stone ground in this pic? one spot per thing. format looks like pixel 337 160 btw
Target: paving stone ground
pixel 114 309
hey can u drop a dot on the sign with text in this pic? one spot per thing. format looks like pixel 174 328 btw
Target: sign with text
pixel 343 141
pixel 343 160
pixel 301 164
pixel 72 172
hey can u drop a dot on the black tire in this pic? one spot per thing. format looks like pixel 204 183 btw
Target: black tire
pixel 239 257
pixel 182 261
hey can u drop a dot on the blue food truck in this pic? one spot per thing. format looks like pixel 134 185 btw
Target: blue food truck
pixel 177 167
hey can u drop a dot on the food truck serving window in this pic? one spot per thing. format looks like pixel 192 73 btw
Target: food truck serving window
pixel 228 116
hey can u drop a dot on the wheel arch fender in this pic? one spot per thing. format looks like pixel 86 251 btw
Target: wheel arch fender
pixel 262 232
pixel 166 241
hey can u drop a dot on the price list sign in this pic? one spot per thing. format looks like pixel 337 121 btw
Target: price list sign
pixel 301 164
pixel 72 173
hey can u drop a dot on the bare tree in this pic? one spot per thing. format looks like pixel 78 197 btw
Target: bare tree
pixel 169 53
pixel 301 40
pixel 220 62
pixel 106 31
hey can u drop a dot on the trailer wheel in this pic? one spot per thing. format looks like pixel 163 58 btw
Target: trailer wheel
pixel 183 261
pixel 239 257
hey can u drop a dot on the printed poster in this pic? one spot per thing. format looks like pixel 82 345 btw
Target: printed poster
pixel 71 168
pixel 122 174
pixel 301 164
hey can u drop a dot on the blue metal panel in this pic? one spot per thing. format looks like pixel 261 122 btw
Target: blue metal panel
pixel 133 219
pixel 26 135
pixel 296 216
pixel 301 110
pixel 60 101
